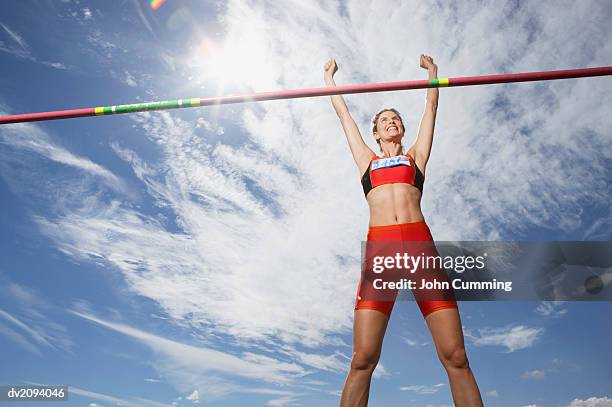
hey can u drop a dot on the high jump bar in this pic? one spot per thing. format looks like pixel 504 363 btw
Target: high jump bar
pixel 303 93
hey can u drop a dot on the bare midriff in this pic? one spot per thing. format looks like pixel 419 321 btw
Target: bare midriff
pixel 394 204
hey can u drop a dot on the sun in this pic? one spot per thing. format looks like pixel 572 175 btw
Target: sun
pixel 240 61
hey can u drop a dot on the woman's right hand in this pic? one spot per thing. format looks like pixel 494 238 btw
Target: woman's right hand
pixel 330 68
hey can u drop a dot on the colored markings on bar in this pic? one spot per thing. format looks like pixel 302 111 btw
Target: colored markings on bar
pixel 140 107
pixel 439 82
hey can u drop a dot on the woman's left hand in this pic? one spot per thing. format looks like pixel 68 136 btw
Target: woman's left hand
pixel 427 62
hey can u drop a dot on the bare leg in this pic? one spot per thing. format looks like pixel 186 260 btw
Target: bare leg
pixel 445 328
pixel 368 332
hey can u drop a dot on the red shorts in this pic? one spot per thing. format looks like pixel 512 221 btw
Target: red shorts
pixel 414 231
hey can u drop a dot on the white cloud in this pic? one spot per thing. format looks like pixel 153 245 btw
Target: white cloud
pixel 130 80
pixel 332 363
pixel 423 388
pixel 379 371
pixel 32 326
pixel 592 402
pixel 410 342
pixel 117 401
pixel 27 137
pixel 206 276
pixel 551 309
pixel 23 295
pixel 124 77
pixel 23 51
pixel 283 401
pixel 492 393
pixel 101 44
pixel 33 333
pixel 534 374
pixel 16 37
pixel 56 65
pixel 512 337
pixel 87 15
pixel 215 128
pixel 194 396
pixel 19 339
pixel 600 229
pixel 213 373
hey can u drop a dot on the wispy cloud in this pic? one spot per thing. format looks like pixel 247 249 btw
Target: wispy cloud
pixel 380 371
pixel 551 309
pixel 410 342
pixel 513 338
pixel 28 137
pixel 213 373
pixel 283 401
pixel 332 363
pixel 35 335
pixel 211 199
pixel 592 402
pixel 534 374
pixel 16 37
pixel 31 326
pixel 143 18
pixel 194 397
pixel 600 229
pixel 118 401
pixel 423 388
pixel 87 14
pixel 18 338
pixel 23 50
pixel 101 43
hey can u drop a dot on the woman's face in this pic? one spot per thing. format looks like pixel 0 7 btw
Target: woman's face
pixel 389 127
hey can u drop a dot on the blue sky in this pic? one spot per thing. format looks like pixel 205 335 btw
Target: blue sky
pixel 211 256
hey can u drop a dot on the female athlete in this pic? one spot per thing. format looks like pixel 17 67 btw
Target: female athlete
pixel 393 186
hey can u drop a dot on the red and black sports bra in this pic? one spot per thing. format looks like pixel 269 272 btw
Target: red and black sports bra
pixel 390 170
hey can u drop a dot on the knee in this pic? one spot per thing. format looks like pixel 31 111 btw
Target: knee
pixel 363 360
pixel 454 359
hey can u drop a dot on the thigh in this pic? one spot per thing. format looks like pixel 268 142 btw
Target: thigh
pixel 445 328
pixel 369 329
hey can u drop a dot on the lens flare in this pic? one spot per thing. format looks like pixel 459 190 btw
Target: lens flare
pixel 155 4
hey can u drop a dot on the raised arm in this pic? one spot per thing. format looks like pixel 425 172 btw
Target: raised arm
pixel 422 146
pixel 360 150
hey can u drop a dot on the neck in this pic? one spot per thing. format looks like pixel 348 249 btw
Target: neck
pixel 391 149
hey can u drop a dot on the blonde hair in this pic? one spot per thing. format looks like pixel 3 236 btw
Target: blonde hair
pixel 375 121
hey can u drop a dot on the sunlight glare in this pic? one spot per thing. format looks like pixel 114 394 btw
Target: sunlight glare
pixel 240 61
